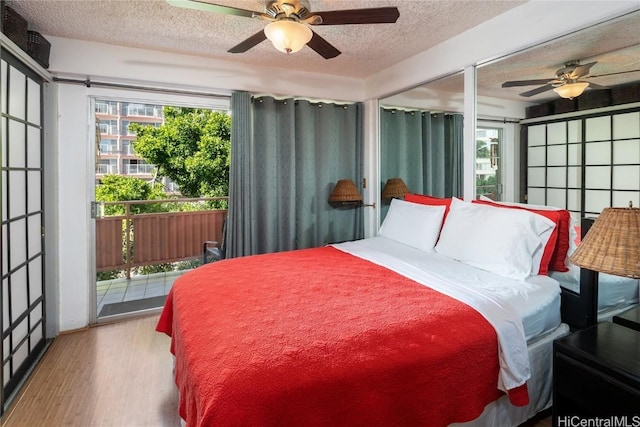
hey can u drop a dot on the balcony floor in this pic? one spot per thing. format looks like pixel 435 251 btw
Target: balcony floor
pixel 137 288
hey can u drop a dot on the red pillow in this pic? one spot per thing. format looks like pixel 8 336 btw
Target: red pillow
pixel 429 200
pixel 558 261
pixel 547 261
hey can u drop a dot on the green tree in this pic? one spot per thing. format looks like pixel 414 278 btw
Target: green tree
pixel 191 148
pixel 482 151
pixel 117 188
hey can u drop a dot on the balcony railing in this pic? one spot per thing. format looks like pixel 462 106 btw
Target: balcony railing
pixel 134 240
pixel 490 191
pixel 138 169
pixel 109 149
pixel 144 111
pixel 107 169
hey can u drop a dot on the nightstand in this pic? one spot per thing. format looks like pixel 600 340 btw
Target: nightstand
pixel 629 318
pixel 596 373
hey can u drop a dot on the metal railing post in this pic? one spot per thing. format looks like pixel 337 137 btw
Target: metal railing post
pixel 128 224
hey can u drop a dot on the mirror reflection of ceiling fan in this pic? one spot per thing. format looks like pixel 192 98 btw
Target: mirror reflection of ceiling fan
pixel 290 19
pixel 570 81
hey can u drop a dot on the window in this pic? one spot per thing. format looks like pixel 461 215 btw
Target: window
pixel 107 166
pixel 108 146
pixel 108 127
pixel 144 110
pixel 127 148
pixel 107 107
pixel 137 167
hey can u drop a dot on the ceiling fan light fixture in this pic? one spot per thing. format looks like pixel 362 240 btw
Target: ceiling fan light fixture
pixel 571 90
pixel 288 36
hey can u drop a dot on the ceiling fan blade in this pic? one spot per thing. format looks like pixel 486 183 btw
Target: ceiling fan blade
pixel 581 70
pixel 312 20
pixel 323 47
pixel 613 74
pixel 252 41
pixel 210 7
pixel 537 90
pixel 525 82
pixel 597 86
pixel 378 15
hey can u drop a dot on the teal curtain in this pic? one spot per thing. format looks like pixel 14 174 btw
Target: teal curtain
pixel 283 171
pixel 454 184
pixel 422 148
pixel 239 230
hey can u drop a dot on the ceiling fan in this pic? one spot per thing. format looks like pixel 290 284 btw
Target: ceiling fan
pixel 569 81
pixel 290 19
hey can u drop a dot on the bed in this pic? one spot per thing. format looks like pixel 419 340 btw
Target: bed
pixel 442 319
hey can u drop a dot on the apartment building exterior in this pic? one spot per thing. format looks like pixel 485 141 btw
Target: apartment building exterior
pixel 115 153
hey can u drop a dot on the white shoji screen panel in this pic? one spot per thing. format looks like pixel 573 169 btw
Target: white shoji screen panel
pixel 23 318
pixel 585 164
pixel 554 162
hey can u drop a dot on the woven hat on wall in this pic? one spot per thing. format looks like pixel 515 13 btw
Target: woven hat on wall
pixel 612 244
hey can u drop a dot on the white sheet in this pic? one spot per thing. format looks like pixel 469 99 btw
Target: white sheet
pixel 505 303
pixel 613 291
pixel 501 413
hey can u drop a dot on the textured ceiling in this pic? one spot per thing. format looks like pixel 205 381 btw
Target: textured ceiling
pixel 366 49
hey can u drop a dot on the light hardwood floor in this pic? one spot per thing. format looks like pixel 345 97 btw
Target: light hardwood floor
pixel 116 375
pixel 113 375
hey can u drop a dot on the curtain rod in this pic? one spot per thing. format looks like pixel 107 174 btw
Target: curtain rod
pixel 480 119
pixel 296 98
pixel 89 83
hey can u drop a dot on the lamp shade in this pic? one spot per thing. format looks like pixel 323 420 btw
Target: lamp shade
pixel 394 188
pixel 288 36
pixel 345 192
pixel 571 90
pixel 612 244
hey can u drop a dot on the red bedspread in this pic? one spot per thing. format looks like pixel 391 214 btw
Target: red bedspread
pixel 320 337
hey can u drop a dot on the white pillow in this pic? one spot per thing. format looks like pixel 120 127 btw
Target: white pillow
pixel 502 241
pixel 544 238
pixel 413 224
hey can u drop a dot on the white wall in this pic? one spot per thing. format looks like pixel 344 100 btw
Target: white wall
pixel 52 210
pixel 102 62
pixel 74 189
